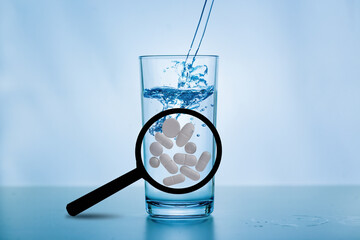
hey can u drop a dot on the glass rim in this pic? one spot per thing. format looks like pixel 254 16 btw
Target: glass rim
pixel 178 55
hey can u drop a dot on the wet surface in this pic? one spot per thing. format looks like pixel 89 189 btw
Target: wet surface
pixel 240 213
pixel 350 220
pixel 300 221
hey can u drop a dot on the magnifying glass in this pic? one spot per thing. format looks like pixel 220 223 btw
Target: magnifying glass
pixel 203 176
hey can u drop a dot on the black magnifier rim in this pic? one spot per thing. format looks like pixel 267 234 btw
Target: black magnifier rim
pixel 146 175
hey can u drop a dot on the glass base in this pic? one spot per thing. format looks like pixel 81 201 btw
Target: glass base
pixel 179 210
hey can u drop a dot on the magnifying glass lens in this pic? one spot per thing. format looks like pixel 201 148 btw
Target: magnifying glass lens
pixel 178 150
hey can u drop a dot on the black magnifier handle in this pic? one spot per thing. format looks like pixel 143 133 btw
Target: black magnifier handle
pixel 99 194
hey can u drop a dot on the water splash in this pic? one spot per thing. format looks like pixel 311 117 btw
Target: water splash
pixel 174 97
pixel 189 76
pixel 191 91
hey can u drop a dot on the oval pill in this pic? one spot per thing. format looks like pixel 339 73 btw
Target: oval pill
pixel 164 140
pixel 190 173
pixel 154 162
pixel 156 149
pixel 171 127
pixel 185 134
pixel 190 147
pixel 172 180
pixel 185 159
pixel 168 163
pixel 203 161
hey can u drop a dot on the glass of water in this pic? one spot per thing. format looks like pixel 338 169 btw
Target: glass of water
pixel 168 82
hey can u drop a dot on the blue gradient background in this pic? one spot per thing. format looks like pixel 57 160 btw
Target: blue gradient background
pixel 289 83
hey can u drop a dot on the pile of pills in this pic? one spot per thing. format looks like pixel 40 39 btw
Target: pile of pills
pixel 171 129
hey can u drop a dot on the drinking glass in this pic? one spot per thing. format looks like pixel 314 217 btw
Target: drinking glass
pixel 166 85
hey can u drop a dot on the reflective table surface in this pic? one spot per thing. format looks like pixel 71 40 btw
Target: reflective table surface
pixel 308 212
